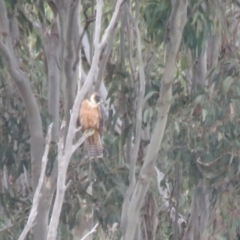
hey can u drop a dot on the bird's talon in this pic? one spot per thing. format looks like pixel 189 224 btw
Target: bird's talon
pixel 88 133
pixel 92 132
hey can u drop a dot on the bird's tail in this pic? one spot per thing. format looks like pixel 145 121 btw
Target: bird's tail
pixel 93 145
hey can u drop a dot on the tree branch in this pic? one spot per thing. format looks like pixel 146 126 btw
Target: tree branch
pixel 70 75
pixel 177 22
pixel 52 50
pixel 37 195
pixel 24 87
pixel 110 28
pixel 78 144
pixel 104 58
pixel 140 101
pixel 11 63
pixel 65 151
pixel 138 128
pixel 89 20
pixel 89 79
pixel 91 232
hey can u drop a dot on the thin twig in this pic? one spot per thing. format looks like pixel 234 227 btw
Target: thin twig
pixel 92 231
pixel 6 228
pixel 87 23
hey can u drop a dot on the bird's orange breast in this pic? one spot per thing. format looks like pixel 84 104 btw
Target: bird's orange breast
pixel 89 116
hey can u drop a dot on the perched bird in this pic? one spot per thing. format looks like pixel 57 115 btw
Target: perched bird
pixel 90 118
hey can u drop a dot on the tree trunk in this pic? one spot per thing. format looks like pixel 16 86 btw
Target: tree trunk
pixel 200 212
pixel 177 22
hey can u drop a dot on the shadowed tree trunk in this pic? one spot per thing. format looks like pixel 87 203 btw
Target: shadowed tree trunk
pixel 199 216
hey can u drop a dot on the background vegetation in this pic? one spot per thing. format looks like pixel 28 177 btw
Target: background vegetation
pixel 169 72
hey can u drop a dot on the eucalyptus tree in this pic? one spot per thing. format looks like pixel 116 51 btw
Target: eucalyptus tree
pixel 168 71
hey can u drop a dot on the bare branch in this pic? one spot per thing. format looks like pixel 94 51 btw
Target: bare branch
pixel 52 50
pixel 91 232
pixel 78 129
pixel 68 184
pixel 11 63
pixel 112 23
pixel 138 129
pixel 89 20
pixel 97 53
pixel 37 195
pixel 71 31
pixel 65 152
pixel 177 22
pixel 61 188
pixel 32 109
pixel 140 100
pixel 104 58
pixel 78 144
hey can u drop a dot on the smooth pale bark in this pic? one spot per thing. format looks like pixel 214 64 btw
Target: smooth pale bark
pixel 65 148
pixel 71 76
pixel 51 44
pixel 37 195
pixel 138 118
pixel 200 213
pixel 177 22
pixel 52 50
pixel 165 195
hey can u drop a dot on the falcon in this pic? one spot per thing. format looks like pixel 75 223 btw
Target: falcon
pixel 90 118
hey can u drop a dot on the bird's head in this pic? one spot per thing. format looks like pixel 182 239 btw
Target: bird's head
pixel 96 98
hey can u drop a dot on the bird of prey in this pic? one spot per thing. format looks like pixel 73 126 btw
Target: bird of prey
pixel 91 120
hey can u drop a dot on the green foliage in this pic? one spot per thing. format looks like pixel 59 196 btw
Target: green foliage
pixel 197 29
pixel 156 14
